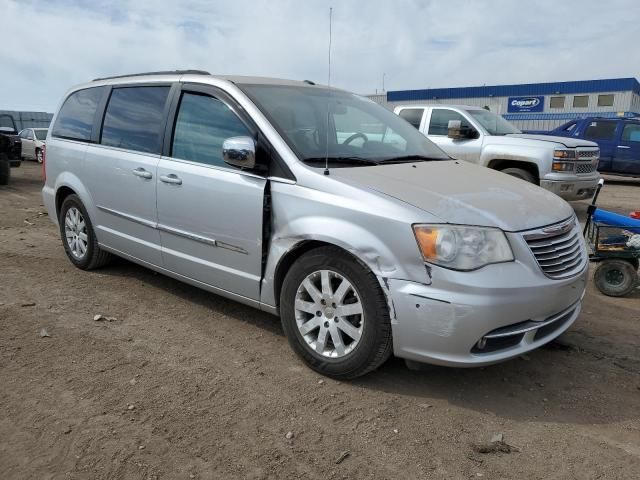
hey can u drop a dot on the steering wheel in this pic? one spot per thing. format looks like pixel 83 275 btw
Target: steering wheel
pixel 354 136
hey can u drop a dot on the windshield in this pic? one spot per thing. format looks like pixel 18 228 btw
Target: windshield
pixel 492 123
pixel 41 133
pixel 356 132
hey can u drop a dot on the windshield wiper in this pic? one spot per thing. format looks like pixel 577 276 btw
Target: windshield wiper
pixel 410 158
pixel 341 160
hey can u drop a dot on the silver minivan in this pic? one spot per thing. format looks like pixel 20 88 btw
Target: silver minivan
pixel 316 205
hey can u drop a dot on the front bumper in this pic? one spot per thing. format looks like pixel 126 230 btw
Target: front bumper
pixel 467 319
pixel 571 188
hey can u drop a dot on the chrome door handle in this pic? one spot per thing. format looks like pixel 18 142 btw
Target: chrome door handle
pixel 171 178
pixel 623 146
pixel 141 172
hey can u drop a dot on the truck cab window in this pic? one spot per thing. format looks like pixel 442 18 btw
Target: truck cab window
pixel 600 130
pixel 439 123
pixel 631 132
pixel 412 115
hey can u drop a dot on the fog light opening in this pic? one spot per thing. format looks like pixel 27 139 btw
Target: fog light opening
pixel 481 343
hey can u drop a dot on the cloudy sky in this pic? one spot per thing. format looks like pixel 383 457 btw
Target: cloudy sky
pixel 48 45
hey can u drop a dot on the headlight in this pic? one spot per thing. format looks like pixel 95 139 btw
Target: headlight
pixel 564 154
pixel 461 247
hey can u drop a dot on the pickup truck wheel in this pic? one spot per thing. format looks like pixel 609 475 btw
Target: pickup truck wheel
pixel 5 170
pixel 616 278
pixel 335 314
pixel 521 174
pixel 79 239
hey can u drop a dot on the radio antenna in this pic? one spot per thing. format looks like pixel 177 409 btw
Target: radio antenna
pixel 326 163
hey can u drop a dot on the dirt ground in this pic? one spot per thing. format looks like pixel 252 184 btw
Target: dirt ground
pixel 183 384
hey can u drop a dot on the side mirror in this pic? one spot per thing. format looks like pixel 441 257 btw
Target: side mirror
pixel 239 152
pixel 457 132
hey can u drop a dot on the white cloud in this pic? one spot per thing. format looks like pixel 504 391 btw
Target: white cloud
pixel 47 46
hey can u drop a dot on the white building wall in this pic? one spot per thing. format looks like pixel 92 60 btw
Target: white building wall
pixel 626 101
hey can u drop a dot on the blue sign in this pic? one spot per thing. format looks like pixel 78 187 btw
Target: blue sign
pixel 525 104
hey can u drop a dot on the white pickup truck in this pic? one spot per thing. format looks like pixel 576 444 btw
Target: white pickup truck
pixel 564 166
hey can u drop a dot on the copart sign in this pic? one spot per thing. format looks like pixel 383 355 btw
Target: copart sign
pixel 525 104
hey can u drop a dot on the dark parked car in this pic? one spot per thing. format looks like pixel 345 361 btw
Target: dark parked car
pixel 10 148
pixel 618 138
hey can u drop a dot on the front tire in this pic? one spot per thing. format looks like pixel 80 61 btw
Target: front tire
pixel 39 155
pixel 616 278
pixel 335 314
pixel 78 237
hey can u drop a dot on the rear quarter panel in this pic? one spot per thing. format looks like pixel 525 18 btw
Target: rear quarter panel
pixel 64 167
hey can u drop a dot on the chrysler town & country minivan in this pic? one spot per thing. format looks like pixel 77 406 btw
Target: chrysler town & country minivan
pixel 316 205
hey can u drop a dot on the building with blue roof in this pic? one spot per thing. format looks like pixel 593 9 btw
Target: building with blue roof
pixel 534 106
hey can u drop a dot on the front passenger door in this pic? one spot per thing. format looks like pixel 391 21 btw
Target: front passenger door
pixel 210 213
pixel 467 149
pixel 605 133
pixel 28 145
pixel 627 155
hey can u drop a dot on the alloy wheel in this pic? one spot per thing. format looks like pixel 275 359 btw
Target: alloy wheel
pixel 329 314
pixel 75 230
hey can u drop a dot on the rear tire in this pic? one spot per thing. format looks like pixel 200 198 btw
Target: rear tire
pixel 5 170
pixel 339 354
pixel 616 278
pixel 39 155
pixel 521 174
pixel 78 237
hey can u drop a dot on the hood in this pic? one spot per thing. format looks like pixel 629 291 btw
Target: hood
pixel 462 193
pixel 568 142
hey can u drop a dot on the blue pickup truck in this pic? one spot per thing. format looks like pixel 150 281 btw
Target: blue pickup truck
pixel 618 138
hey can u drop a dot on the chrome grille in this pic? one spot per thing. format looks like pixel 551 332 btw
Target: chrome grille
pixel 585 167
pixel 558 249
pixel 588 154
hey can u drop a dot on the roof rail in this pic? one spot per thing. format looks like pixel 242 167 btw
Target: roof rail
pixel 165 72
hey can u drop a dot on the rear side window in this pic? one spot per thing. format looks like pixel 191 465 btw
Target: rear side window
pixel 134 118
pixel 439 123
pixel 75 118
pixel 631 132
pixel 203 123
pixel 600 130
pixel 412 115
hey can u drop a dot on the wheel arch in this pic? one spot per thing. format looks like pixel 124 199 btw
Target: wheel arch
pixel 293 254
pixel 63 192
pixel 501 164
pixel 69 184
